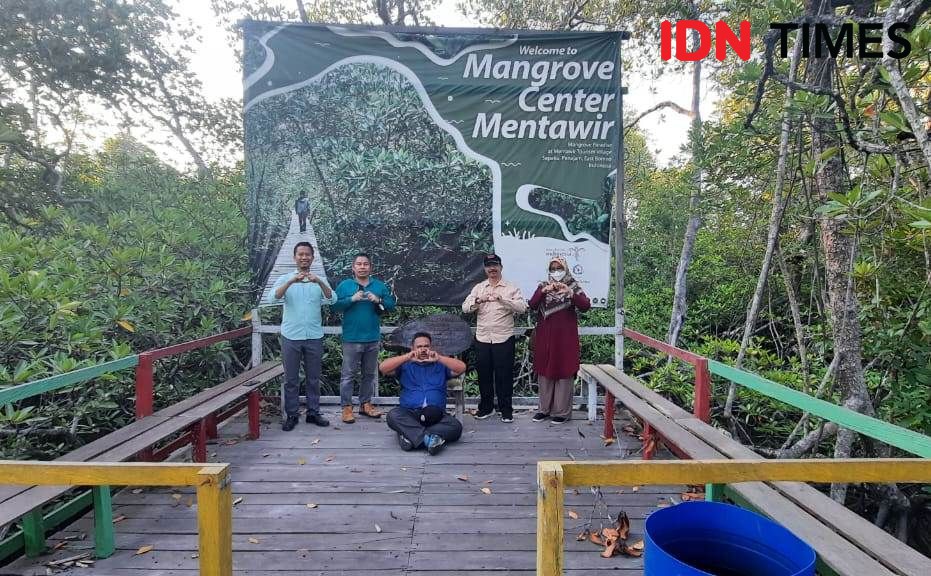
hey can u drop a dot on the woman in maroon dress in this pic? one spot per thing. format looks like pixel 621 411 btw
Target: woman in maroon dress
pixel 556 340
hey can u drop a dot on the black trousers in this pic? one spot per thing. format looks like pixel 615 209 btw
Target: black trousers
pixel 407 423
pixel 302 220
pixel 495 366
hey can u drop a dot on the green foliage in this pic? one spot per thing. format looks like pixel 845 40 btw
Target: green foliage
pixel 153 261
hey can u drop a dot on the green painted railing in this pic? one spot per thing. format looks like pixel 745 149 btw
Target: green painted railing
pixel 902 438
pixel 52 383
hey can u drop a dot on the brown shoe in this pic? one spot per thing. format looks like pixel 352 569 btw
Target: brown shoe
pixel 370 410
pixel 347 415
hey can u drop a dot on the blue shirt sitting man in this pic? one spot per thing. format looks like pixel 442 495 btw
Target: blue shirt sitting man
pixel 421 419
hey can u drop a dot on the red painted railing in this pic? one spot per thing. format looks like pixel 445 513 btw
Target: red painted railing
pixel 145 398
pixel 701 390
pixel 145 369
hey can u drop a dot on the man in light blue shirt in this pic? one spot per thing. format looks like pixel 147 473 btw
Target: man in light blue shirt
pixel 303 294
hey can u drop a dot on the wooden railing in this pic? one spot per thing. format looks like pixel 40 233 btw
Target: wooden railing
pixel 902 438
pixel 553 478
pixel 212 481
pixel 144 388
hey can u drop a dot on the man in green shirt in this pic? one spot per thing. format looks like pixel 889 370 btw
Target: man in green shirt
pixel 303 294
pixel 362 299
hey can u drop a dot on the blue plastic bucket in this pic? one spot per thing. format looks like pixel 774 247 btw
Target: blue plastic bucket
pixel 702 538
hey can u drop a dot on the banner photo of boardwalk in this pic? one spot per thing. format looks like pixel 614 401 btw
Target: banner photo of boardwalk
pixel 429 149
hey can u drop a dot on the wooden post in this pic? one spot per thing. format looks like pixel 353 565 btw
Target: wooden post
pixel 104 537
pixel 702 400
pixel 592 398
pixel 210 426
pixel 649 442
pixel 214 521
pixel 144 386
pixel 254 402
pixel 34 533
pixel 199 441
pixel 609 415
pixel 550 495
pixel 714 492
pixel 256 338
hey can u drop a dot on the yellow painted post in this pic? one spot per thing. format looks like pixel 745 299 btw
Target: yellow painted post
pixel 550 495
pixel 214 521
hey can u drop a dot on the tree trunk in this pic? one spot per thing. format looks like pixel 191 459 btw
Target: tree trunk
pixel 775 223
pixel 679 299
pixel 839 249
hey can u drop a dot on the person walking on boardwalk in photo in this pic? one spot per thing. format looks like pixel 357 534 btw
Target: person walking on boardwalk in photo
pixel 303 294
pixel 496 301
pixel 421 418
pixel 362 299
pixel 556 339
pixel 302 209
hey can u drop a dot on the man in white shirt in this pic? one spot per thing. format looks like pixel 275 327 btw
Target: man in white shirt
pixel 496 302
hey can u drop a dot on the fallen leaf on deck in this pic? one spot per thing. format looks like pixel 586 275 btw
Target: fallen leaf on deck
pixel 610 533
pixel 576 491
pixel 329 458
pixel 189 502
pixel 609 549
pixel 119 518
pixel 393 515
pixel 137 491
pixel 195 555
pixel 579 429
pixel 230 442
pixel 237 501
pixel 596 538
pixel 687 496
pixel 311 505
pixel 623 525
pixel 266 455
pixel 663 504
pixel 403 469
pixel 488 481
pixel 583 535
pixel 301 462
pixel 303 552
pixel 608 441
pixel 378 528
pixel 176 496
pixel 463 477
pixel 59 546
pixel 635 488
pixel 253 540
pixel 486 490
pixel 573 514
pixel 315 441
pixel 638 545
pixel 143 550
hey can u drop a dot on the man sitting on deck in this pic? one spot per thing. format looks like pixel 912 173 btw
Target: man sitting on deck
pixel 421 419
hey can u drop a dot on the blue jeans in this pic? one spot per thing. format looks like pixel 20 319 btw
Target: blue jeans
pixel 359 357
pixel 293 354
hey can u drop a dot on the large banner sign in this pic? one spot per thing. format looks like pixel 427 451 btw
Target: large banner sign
pixel 429 149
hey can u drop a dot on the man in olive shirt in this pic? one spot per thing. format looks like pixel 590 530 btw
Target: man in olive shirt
pixel 303 294
pixel 496 301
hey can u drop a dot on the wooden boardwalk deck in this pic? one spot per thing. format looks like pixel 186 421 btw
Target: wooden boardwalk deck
pixel 378 510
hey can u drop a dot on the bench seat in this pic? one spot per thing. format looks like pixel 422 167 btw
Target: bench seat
pixel 846 544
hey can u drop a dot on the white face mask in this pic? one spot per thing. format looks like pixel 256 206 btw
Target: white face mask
pixel 557 275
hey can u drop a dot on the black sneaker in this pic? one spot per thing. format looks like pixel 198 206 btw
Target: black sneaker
pixel 558 419
pixel 405 444
pixel 289 423
pixel 483 415
pixel 507 419
pixel 316 419
pixel 434 443
pixel 540 417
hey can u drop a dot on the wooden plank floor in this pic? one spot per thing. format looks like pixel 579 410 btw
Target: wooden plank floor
pixel 378 510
